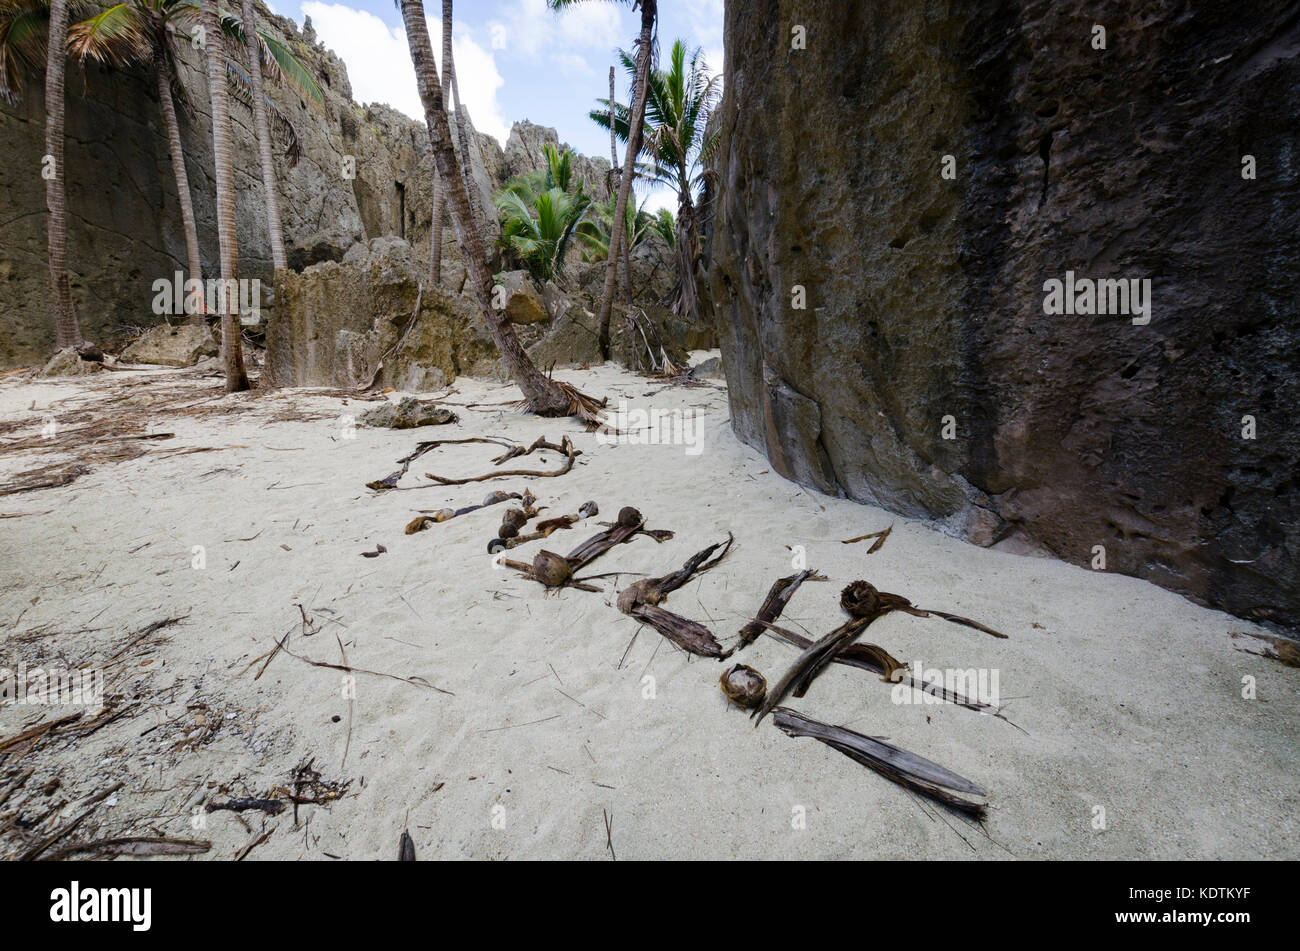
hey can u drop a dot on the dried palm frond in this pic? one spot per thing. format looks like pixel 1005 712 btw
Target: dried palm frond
pixel 892 762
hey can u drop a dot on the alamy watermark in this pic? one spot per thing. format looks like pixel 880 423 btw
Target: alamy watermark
pixel 52 686
pixel 1083 295
pixel 653 427
pixel 176 295
pixel 945 683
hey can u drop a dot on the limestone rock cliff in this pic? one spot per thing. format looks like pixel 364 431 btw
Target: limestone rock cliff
pixel 924 304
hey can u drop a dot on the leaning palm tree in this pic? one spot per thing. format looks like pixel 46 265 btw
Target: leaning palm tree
pixel 231 352
pixel 644 51
pixel 677 147
pixel 542 395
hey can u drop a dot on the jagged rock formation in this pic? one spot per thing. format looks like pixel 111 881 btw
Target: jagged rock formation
pixel 925 296
pixel 124 229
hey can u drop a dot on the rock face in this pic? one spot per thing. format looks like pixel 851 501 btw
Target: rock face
pixel 352 322
pixel 923 297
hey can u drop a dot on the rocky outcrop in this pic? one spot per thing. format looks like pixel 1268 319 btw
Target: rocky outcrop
pixel 524 153
pixel 354 322
pixel 172 345
pixel 884 328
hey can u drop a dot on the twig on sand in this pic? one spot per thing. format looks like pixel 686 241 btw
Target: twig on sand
pixel 45 843
pixel 243 853
pixel 414 681
pixel 134 845
pixel 609 834
pixel 878 536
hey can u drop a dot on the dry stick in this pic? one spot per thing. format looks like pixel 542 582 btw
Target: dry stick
pixel 37 731
pixel 609 835
pixel 420 682
pixel 570 455
pixel 133 845
pixel 351 705
pixel 243 853
pixel 389 481
pixel 893 762
pixel 36 850
pixel 778 597
pixel 878 536
pixel 15 785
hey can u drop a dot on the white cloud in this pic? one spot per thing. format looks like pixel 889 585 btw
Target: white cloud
pixel 379 63
pixel 530 27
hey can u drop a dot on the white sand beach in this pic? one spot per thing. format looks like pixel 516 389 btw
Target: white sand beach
pixel 558 714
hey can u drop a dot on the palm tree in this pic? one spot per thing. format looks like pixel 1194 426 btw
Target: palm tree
pixel 435 239
pixel 594 230
pixel 644 44
pixel 543 396
pixel 679 101
pixel 66 331
pixel 262 126
pixel 543 211
pixel 231 351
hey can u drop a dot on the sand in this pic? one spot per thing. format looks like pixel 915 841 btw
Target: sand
pixel 1130 698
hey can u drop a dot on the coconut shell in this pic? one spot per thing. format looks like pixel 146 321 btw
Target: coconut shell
pixel 551 569
pixel 744 686
pixel 629 517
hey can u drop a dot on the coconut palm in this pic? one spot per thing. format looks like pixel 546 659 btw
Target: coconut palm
pixel 34 33
pixel 223 158
pixel 676 146
pixel 594 230
pixel 644 51
pixel 542 212
pixel 542 395
pixel 66 331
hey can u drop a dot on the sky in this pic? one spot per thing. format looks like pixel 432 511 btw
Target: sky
pixel 515 59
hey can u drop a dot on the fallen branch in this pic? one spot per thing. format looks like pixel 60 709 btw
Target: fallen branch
pixel 44 844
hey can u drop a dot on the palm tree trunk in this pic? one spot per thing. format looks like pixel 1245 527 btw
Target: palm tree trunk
pixel 168 105
pixel 66 331
pixel 688 244
pixel 262 125
pixel 648 12
pixel 462 133
pixel 545 398
pixel 231 352
pixel 615 178
pixel 435 250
